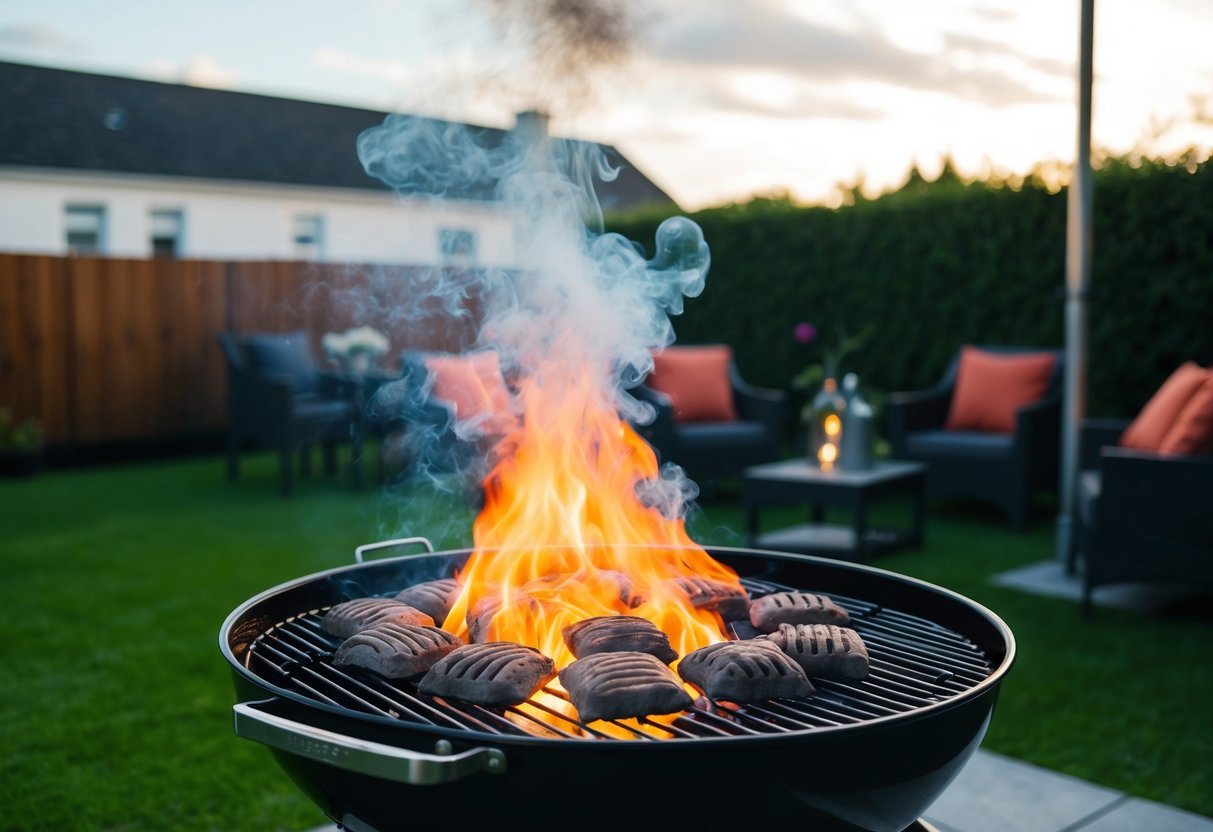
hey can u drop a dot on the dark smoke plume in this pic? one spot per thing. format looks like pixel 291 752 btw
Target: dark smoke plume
pixel 567 43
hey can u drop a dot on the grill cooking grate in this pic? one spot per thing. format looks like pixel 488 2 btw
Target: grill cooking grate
pixel 913 662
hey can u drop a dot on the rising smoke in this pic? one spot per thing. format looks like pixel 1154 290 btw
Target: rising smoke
pixel 578 297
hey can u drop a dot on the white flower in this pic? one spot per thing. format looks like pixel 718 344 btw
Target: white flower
pixel 334 344
pixel 363 339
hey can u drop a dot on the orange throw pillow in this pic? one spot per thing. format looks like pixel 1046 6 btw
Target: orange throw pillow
pixel 1149 429
pixel 473 385
pixel 1192 432
pixel 697 381
pixel 991 387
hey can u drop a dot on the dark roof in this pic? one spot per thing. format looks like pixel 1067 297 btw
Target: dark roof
pixel 56 118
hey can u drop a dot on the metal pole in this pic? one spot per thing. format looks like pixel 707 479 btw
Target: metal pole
pixel 1078 282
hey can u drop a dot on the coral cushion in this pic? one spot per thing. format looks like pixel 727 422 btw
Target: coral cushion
pixel 1151 426
pixel 1192 432
pixel 991 387
pixel 473 385
pixel 697 381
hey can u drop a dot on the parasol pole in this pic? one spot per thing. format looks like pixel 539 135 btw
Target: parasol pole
pixel 1078 283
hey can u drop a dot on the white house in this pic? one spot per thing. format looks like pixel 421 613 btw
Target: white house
pixel 96 164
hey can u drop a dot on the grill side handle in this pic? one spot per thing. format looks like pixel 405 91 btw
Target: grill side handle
pixel 387 544
pixel 400 765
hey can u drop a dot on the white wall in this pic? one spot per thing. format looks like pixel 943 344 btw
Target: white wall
pixel 242 221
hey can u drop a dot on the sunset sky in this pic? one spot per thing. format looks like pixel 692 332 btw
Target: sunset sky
pixel 717 100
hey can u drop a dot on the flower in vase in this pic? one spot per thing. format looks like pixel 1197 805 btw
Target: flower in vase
pixel 813 376
pixel 356 346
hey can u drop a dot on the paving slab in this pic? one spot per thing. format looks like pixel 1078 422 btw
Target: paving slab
pixel 1135 815
pixel 994 793
pixel 1049 578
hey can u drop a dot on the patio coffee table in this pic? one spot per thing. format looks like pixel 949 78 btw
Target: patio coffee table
pixel 796 481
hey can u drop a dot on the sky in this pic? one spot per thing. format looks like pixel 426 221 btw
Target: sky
pixel 717 101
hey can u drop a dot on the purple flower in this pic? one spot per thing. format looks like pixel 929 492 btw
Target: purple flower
pixel 804 333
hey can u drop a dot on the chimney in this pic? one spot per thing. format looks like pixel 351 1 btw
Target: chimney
pixel 532 124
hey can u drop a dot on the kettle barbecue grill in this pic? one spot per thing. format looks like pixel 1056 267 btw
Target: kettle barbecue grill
pixel 855 756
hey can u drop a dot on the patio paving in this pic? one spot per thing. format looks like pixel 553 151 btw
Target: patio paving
pixel 994 793
pixel 1049 578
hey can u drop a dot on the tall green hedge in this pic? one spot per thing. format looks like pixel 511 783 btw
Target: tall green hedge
pixel 935 265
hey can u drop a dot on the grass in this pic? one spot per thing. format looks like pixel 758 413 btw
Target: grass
pixel 117 703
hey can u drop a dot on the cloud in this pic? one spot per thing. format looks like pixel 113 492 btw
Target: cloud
pixel 759 35
pixel 35 38
pixel 198 71
pixel 1195 8
pixel 446 86
pixel 985 46
pixel 392 70
pixel 997 14
pixel 799 105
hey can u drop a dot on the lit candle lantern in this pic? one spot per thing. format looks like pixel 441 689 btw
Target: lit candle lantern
pixel 825 433
pixel 827 455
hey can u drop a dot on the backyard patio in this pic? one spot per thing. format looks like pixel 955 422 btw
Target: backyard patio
pixel 118 702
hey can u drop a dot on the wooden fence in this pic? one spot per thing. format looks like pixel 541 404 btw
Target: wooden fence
pixel 106 350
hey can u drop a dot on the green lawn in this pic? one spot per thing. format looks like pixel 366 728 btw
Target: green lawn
pixel 117 703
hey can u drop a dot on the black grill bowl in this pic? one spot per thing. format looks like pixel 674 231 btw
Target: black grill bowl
pixel 876 774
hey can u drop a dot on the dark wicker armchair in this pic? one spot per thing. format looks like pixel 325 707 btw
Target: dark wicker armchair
pixel 1144 489
pixel 712 448
pixel 278 398
pixel 1004 468
pixel 443 416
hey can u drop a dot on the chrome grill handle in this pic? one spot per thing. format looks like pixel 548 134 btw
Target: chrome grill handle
pixel 400 765
pixel 387 544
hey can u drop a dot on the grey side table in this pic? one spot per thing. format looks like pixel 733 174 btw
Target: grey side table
pixel 796 481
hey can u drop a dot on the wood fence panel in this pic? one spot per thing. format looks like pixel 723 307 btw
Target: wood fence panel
pixel 140 413
pixel 177 343
pixel 87 337
pixel 33 353
pixel 265 296
pixel 104 350
pixel 200 313
pixel 333 300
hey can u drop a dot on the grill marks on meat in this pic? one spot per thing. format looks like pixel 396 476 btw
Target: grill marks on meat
pixel 434 598
pixel 622 685
pixel 769 611
pixel 394 650
pixel 622 661
pixel 823 649
pixel 348 617
pixel 618 633
pixel 727 599
pixel 493 673
pixel 744 671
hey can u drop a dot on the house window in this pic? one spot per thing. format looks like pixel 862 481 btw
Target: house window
pixel 167 228
pixel 308 236
pixel 458 247
pixel 85 227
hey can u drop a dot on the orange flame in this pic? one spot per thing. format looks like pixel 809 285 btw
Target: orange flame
pixel 564 534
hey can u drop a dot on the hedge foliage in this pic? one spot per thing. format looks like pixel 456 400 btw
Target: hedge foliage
pixel 937 264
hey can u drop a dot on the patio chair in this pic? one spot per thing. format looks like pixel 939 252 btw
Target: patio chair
pixel 710 420
pixel 279 398
pixel 989 430
pixel 444 414
pixel 1143 491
